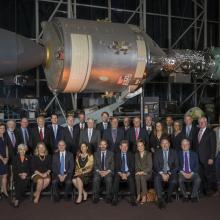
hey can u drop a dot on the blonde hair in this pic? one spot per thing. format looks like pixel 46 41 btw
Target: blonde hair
pixel 36 152
pixel 22 146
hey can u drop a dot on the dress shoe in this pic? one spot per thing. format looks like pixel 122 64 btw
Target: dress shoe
pixel 115 202
pixel 133 203
pixel 194 200
pixel 108 200
pixel 161 204
pixel 169 199
pixel 185 199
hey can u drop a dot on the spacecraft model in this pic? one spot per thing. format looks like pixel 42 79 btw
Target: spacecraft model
pixel 82 55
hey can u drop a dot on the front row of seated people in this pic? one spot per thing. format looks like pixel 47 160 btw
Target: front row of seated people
pixel 166 168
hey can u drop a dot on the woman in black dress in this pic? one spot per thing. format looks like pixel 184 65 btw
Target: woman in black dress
pixel 155 137
pixel 177 136
pixel 21 173
pixel 41 169
pixel 83 171
pixel 3 161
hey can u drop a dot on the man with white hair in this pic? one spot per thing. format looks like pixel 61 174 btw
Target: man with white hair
pixel 205 146
pixel 90 136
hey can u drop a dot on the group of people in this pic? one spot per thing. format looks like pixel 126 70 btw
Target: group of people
pixel 168 156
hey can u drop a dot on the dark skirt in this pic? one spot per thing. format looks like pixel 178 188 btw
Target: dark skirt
pixel 3 168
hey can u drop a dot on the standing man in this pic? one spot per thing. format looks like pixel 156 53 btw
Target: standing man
pixel 135 133
pixel 103 171
pixel 56 132
pixel 62 167
pixel 149 125
pixel 71 136
pixel 205 146
pixel 90 136
pixel 24 134
pixel 188 171
pixel 217 163
pixel 166 164
pixel 41 133
pixel 82 125
pixel 114 135
pixel 169 125
pixel 104 124
pixel 126 125
pixel 124 171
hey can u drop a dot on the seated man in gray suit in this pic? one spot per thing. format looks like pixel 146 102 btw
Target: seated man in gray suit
pixel 166 165
pixel 62 167
pixel 90 136
pixel 103 171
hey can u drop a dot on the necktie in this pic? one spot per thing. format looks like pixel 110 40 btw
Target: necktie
pixel 62 164
pixel 169 130
pixel 186 162
pixel 13 138
pixel 187 131
pixel 123 163
pixel 200 135
pixel 165 162
pixel 71 132
pixel 25 136
pixel 55 131
pixel 114 135
pixel 103 161
pixel 90 134
pixel 41 135
pixel 105 125
pixel 136 133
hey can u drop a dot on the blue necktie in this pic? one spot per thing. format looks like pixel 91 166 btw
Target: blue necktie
pixel 123 163
pixel 62 164
pixel 186 162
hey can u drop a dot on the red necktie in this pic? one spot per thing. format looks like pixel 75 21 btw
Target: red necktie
pixel 136 133
pixel 41 135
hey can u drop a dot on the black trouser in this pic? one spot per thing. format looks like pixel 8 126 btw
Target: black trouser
pixel 195 184
pixel 57 184
pixel 158 184
pixel 131 185
pixel 206 173
pixel 20 187
pixel 97 179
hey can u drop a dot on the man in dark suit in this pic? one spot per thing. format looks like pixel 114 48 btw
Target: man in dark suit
pixel 103 171
pixel 71 136
pixel 189 129
pixel 205 146
pixel 169 125
pixel 125 172
pixel 126 125
pixel 136 133
pixel 90 136
pixel 114 135
pixel 188 171
pixel 62 167
pixel 56 132
pixel 149 126
pixel 166 164
pixel 24 134
pixel 82 125
pixel 104 124
pixel 41 133
pixel 12 138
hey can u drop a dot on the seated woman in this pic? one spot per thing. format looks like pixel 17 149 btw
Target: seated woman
pixel 3 162
pixel 41 169
pixel 143 171
pixel 83 171
pixel 21 173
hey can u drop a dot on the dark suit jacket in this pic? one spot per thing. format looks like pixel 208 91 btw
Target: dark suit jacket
pixel 173 161
pixel 54 141
pixel 21 137
pixel 69 164
pixel 12 151
pixel 36 138
pixel 19 167
pixel 125 131
pixel 77 126
pixel 193 160
pixel 109 161
pixel 132 138
pixel 206 148
pixel 176 141
pixel 72 144
pixel 100 127
pixel 107 135
pixel 192 133
pixel 130 162
pixel 95 139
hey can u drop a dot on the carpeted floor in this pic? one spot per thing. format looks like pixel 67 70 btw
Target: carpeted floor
pixel 206 209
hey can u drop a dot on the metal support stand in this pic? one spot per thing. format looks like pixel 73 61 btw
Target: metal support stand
pixel 142 107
